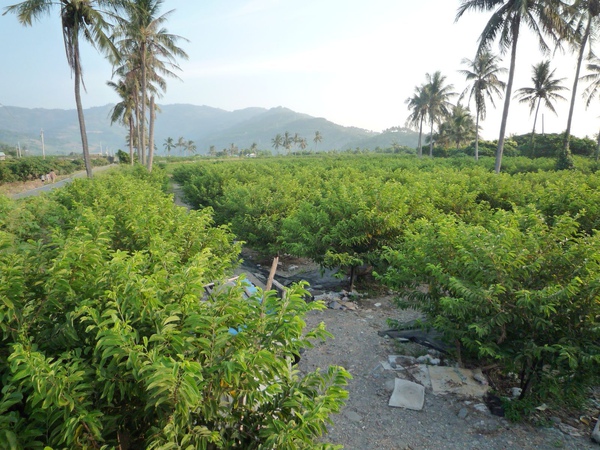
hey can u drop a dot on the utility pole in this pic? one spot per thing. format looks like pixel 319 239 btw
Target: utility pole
pixel 19 154
pixel 43 147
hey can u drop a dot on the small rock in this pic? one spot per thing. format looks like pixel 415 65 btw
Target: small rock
pixel 515 392
pixel 387 366
pixel 568 429
pixel 377 305
pixel 351 306
pixel 596 432
pixel 335 305
pixel 428 359
pixel 352 416
pixel 481 407
pixel 292 267
pixel 463 413
pixel 480 378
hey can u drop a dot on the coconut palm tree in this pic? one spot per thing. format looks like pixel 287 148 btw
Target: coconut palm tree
pixel 318 138
pixel 145 42
pixel 124 111
pixel 544 17
pixel 458 129
pixel 181 143
pixel 190 146
pixel 593 89
pixel 277 142
pixel 587 17
pixel 545 87
pixel 482 74
pixel 418 107
pixel 438 101
pixel 287 141
pixel 169 145
pixel 80 20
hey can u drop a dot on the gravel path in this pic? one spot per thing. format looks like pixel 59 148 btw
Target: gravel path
pixel 367 422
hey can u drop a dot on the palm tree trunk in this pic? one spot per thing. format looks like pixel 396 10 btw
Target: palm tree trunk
pixel 507 95
pixel 537 110
pixel 566 149
pixel 151 135
pixel 420 146
pixel 144 93
pixel 477 136
pixel 137 126
pixel 131 137
pixel 84 142
pixel 431 140
pixel 598 148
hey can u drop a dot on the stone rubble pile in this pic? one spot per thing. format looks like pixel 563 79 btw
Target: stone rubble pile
pixel 341 301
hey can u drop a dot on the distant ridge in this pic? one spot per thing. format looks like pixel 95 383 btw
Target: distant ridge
pixel 204 125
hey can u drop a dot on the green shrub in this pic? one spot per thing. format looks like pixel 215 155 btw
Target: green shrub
pixel 106 337
pixel 515 290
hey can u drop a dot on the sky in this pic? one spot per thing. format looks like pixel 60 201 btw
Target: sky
pixel 353 62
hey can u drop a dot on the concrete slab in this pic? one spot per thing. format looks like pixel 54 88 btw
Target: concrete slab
pixel 596 432
pixel 407 395
pixel 453 380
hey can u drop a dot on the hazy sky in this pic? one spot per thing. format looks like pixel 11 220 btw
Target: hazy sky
pixel 353 62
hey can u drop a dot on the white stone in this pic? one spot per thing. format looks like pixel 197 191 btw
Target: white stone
pixel 407 395
pixel 515 392
pixel 596 432
pixel 428 359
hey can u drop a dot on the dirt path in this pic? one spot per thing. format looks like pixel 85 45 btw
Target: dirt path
pixel 367 422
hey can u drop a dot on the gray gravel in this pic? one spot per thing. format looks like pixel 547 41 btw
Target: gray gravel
pixel 446 422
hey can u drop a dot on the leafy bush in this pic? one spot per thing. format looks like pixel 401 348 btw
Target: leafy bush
pixel 106 342
pixel 515 290
pixel 550 145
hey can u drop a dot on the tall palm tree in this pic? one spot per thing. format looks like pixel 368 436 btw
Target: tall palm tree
pixel 143 40
pixel 544 17
pixel 169 145
pixel 545 87
pixel 418 107
pixel 287 141
pixel 80 20
pixel 482 74
pixel 438 101
pixel 277 142
pixel 190 146
pixel 593 90
pixel 181 143
pixel 318 138
pixel 587 17
pixel 124 111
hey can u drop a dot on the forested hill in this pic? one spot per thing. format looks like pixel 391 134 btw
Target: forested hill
pixel 204 125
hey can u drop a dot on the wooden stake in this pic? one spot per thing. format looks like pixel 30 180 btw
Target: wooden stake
pixel 272 274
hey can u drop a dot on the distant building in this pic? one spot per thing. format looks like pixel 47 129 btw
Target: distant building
pixel 2 156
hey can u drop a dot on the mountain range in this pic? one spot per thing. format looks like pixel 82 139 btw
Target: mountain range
pixel 204 125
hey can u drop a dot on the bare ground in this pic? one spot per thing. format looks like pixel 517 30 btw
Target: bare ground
pixel 367 422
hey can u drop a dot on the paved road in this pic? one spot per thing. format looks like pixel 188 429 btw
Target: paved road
pixel 50 186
